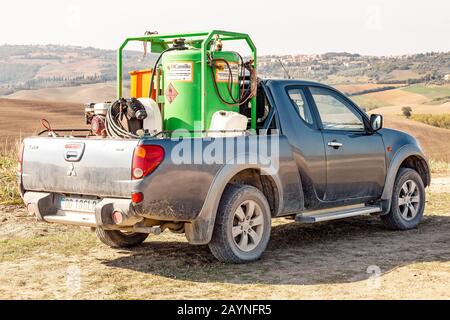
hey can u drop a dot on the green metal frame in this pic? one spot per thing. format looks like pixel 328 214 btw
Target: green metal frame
pixel 160 42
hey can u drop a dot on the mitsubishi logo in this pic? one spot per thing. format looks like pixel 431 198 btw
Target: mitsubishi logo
pixel 71 172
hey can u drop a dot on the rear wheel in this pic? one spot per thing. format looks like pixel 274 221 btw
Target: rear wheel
pixel 243 223
pixel 119 239
pixel 408 201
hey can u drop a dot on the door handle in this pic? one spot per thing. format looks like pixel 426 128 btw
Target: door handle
pixel 334 144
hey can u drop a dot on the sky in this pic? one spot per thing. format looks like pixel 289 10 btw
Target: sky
pixel 374 27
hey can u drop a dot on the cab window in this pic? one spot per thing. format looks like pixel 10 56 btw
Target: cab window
pixel 298 98
pixel 336 113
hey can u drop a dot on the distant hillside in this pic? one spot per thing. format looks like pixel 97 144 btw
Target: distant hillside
pixel 24 67
pixel 20 118
pixel 340 68
pixel 79 94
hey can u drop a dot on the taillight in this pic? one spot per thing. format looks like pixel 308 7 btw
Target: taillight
pixel 137 197
pixel 145 160
pixel 20 158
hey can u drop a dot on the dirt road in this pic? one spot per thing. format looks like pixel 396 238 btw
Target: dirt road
pixel 355 258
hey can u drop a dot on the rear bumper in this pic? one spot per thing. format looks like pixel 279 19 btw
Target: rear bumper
pixel 44 206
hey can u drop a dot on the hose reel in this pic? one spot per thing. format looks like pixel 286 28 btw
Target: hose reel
pixel 129 111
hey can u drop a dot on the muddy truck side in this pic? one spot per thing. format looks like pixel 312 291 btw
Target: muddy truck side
pixel 316 156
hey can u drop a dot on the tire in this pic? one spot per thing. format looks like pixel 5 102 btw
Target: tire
pixel 252 229
pixel 396 219
pixel 118 239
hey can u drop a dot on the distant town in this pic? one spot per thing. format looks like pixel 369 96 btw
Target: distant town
pixel 341 67
pixel 24 67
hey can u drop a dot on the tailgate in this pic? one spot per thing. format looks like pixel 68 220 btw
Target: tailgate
pixel 100 167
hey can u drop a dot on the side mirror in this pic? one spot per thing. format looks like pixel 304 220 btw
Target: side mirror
pixel 376 122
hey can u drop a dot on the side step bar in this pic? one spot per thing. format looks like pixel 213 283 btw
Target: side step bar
pixel 341 214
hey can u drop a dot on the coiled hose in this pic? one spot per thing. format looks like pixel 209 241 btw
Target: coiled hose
pixel 245 95
pixel 114 127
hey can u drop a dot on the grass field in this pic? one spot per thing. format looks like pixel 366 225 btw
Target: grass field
pixel 20 118
pixel 355 88
pixel 431 92
pixel 389 98
pixel 431 131
pixel 414 96
pixel 322 261
pixel 404 75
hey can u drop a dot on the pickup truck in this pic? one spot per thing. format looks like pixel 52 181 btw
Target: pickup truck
pixel 329 160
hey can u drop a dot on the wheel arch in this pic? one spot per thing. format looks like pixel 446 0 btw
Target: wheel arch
pixel 263 182
pixel 199 231
pixel 409 156
pixel 420 165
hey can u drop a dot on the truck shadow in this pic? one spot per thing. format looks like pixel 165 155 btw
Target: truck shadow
pixel 335 252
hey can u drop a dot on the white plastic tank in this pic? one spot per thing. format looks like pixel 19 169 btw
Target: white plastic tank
pixel 153 122
pixel 227 124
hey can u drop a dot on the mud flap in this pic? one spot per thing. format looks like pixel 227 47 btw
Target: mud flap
pixel 197 231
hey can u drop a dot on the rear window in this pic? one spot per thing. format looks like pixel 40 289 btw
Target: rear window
pixel 298 98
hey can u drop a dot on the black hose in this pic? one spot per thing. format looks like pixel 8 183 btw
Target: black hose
pixel 244 96
pixel 114 127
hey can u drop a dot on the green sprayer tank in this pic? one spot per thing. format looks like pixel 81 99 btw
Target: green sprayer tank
pixel 182 88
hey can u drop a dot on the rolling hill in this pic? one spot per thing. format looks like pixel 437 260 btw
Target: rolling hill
pixel 20 118
pixel 435 141
pixel 98 92
pixel 51 66
pixel 47 66
pixel 422 100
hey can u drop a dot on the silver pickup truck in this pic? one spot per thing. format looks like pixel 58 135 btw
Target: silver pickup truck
pixel 307 162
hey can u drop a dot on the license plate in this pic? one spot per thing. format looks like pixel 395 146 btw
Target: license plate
pixel 78 204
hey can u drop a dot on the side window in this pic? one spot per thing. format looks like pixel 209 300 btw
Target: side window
pixel 334 112
pixel 298 98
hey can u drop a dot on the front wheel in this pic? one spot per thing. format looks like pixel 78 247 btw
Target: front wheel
pixel 408 201
pixel 119 239
pixel 243 224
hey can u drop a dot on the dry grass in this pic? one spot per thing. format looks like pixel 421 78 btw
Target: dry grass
pixel 435 141
pixel 323 261
pixel 436 120
pixel 9 193
pixel 439 168
pixel 359 87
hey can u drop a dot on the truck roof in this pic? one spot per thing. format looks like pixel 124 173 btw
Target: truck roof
pixel 297 82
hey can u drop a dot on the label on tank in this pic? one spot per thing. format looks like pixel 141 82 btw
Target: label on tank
pixel 171 93
pixel 223 72
pixel 179 71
